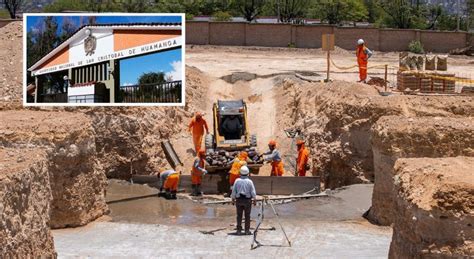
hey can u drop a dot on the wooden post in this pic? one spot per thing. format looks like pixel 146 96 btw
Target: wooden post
pixel 329 65
pixel 385 82
pixel 328 45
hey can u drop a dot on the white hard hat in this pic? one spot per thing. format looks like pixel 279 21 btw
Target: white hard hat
pixel 244 170
pixel 360 42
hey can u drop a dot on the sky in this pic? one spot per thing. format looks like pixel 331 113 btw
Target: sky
pixel 168 62
pixel 34 22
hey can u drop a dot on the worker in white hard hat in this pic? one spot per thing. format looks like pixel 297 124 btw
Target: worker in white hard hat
pixel 363 54
pixel 243 195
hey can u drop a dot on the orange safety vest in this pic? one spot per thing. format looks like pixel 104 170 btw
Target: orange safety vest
pixel 196 175
pixel 361 55
pixel 362 61
pixel 171 182
pixel 302 160
pixel 235 170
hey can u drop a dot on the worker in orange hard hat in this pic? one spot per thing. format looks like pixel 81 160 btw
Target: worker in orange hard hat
pixel 302 161
pixel 363 54
pixel 197 126
pixel 273 156
pixel 197 172
pixel 169 182
pixel 237 163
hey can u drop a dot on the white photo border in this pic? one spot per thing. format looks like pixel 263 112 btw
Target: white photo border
pixel 183 61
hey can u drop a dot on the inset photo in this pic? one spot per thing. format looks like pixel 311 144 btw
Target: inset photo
pixel 103 59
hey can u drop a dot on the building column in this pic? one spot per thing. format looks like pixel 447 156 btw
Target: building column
pixel 36 89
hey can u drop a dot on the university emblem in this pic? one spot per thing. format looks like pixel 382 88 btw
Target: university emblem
pixel 89 45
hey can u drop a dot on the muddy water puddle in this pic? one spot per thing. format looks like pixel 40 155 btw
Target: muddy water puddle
pixel 134 203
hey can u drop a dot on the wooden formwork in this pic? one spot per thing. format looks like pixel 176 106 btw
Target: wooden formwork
pixel 425 82
pixel 265 185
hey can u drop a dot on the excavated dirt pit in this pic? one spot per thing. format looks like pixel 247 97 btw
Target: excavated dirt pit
pixel 150 226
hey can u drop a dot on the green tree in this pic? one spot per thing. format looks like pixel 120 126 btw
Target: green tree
pixel 42 39
pixel 250 9
pixel 221 16
pixel 152 78
pixel 374 12
pixel 434 13
pixel 290 10
pixel 13 6
pixel 65 5
pixel 67 29
pixel 336 11
pixel 403 14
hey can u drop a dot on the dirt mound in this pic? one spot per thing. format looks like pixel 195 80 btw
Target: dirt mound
pixel 395 137
pixel 76 177
pixel 11 69
pixel 25 197
pixel 435 208
pixel 336 118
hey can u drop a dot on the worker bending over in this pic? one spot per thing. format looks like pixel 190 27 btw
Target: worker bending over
pixel 197 126
pixel 243 194
pixel 197 172
pixel 273 156
pixel 169 180
pixel 234 172
pixel 363 54
pixel 303 156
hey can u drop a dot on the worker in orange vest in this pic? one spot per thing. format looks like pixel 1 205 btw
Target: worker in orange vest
pixel 302 160
pixel 197 172
pixel 273 156
pixel 197 126
pixel 169 182
pixel 363 54
pixel 237 163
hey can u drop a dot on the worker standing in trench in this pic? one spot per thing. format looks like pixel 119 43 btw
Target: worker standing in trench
pixel 302 161
pixel 243 195
pixel 197 126
pixel 197 173
pixel 363 54
pixel 234 172
pixel 169 180
pixel 273 156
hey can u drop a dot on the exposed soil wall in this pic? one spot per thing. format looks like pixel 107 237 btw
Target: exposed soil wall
pixel 11 65
pixel 336 119
pixel 435 208
pixel 25 197
pixel 77 179
pixel 128 138
pixel 396 137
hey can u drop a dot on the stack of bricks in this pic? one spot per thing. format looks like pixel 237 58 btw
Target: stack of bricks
pixel 425 82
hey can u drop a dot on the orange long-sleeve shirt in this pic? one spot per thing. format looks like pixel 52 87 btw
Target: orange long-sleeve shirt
pixel 197 127
pixel 302 160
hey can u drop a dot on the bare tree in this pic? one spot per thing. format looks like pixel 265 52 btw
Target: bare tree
pixel 12 6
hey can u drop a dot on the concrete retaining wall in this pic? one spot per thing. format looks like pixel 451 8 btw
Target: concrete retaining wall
pixel 309 36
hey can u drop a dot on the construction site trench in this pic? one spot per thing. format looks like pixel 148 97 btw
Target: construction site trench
pixel 67 184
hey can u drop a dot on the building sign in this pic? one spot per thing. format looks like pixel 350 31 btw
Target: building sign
pixel 89 46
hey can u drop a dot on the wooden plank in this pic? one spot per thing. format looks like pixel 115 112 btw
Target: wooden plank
pixel 265 185
pixel 306 196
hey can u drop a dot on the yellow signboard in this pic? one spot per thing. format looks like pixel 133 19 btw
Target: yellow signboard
pixel 328 42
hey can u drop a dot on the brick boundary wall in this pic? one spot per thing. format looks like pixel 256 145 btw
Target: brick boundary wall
pixel 309 36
